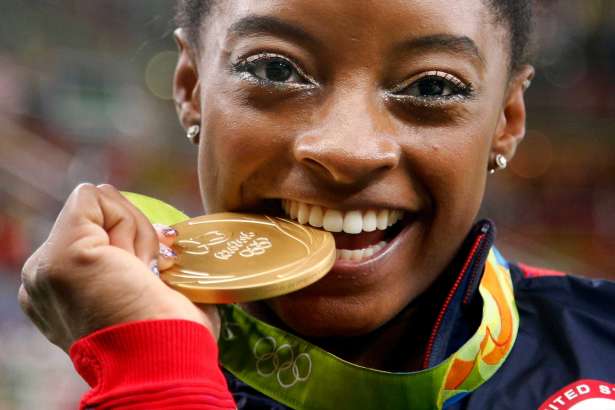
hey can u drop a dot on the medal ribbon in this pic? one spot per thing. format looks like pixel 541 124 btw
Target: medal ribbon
pixel 302 376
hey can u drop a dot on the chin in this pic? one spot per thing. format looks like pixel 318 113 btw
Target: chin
pixel 311 315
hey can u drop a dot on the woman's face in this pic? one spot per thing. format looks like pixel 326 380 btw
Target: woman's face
pixel 354 106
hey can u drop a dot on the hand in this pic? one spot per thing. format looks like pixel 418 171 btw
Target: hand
pixel 95 271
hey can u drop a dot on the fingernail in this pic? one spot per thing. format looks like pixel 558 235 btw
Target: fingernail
pixel 167 252
pixel 166 230
pixel 154 268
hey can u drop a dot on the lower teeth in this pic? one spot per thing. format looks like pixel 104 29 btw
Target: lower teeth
pixel 358 255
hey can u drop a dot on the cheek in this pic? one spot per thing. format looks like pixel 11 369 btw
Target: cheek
pixel 452 163
pixel 242 146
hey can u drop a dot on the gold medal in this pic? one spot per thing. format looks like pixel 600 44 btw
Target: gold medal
pixel 230 257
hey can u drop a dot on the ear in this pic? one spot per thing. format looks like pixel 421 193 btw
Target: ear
pixel 186 83
pixel 511 125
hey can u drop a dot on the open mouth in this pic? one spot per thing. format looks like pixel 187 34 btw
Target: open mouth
pixel 359 234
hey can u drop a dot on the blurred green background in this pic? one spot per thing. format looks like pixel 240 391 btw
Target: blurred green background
pixel 85 95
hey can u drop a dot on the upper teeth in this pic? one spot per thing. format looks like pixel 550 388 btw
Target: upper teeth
pixel 333 220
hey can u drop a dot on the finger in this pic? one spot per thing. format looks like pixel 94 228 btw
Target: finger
pixel 145 239
pixel 166 257
pixel 166 234
pixel 87 206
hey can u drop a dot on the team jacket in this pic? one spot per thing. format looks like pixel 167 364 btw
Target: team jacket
pixel 549 345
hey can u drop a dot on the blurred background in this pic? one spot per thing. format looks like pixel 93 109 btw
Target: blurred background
pixel 85 95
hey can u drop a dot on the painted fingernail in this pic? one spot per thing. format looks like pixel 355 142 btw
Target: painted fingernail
pixel 167 252
pixel 166 230
pixel 169 232
pixel 154 268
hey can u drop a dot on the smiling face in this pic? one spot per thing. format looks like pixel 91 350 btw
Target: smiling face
pixel 355 118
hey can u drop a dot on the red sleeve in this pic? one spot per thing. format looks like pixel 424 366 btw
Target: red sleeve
pixel 159 364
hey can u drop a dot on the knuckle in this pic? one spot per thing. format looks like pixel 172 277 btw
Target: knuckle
pixel 29 267
pixel 23 298
pixel 82 192
pixel 25 302
pixel 30 270
pixel 106 187
pixel 84 188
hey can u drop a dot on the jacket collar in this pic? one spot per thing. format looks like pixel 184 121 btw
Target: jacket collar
pixel 460 310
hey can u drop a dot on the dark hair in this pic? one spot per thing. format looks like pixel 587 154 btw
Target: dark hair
pixel 516 14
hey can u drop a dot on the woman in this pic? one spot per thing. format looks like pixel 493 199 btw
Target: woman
pixel 357 115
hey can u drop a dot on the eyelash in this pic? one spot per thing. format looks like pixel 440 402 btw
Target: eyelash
pixel 246 65
pixel 461 91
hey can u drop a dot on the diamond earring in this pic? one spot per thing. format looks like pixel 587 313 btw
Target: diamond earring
pixel 500 163
pixel 193 133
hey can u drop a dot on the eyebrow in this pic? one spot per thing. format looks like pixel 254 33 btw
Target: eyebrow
pixel 254 25
pixel 445 43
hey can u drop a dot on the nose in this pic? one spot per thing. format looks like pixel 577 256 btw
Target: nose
pixel 348 148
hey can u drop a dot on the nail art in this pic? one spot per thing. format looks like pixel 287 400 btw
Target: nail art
pixel 166 230
pixel 167 252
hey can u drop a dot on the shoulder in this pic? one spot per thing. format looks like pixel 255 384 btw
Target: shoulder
pixel 548 288
pixel 566 336
pixel 567 321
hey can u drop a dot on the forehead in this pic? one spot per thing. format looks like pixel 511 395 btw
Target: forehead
pixel 370 23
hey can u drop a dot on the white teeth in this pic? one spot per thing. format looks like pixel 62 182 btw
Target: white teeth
pixel 382 219
pixel 303 214
pixel 370 222
pixel 293 209
pixel 332 220
pixel 353 222
pixel 358 255
pixel 344 254
pixel 316 216
pixel 393 217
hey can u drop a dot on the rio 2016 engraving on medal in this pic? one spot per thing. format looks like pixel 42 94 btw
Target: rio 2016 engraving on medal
pixel 246 244
pixel 230 257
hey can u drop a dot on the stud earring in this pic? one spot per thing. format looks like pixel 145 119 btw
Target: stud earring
pixel 193 133
pixel 526 84
pixel 500 163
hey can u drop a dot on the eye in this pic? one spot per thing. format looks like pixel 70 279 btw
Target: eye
pixel 434 85
pixel 430 87
pixel 273 68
